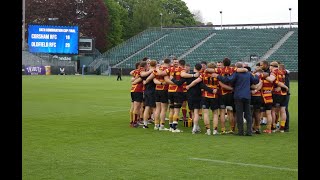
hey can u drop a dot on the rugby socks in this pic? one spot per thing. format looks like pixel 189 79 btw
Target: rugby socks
pixel 162 122
pixel 175 122
pixel 233 125
pixel 131 116
pixel 175 118
pixel 268 126
pixel 190 114
pixel 136 117
pixel 170 120
pixel 184 113
pixel 156 121
pixel 282 124
pixel 277 118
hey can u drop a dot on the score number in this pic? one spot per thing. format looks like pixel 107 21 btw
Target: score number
pixel 67 45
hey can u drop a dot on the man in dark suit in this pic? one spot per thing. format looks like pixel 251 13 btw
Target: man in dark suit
pixel 241 81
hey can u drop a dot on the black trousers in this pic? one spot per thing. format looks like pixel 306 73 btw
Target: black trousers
pixel 243 106
pixel 286 126
pixel 119 77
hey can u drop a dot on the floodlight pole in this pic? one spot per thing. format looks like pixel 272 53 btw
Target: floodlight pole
pixel 23 23
pixel 161 20
pixel 290 18
pixel 221 19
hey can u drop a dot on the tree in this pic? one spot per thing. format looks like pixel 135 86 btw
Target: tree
pixel 146 14
pixel 90 15
pixel 118 18
pixel 177 13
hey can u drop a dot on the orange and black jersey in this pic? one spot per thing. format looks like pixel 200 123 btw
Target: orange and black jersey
pixel 210 82
pixel 195 91
pixel 225 71
pixel 258 93
pixel 184 85
pixel 175 72
pixel 150 86
pixel 280 77
pixel 161 79
pixel 139 86
pixel 266 90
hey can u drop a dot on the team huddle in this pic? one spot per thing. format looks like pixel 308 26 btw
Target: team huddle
pixel 231 92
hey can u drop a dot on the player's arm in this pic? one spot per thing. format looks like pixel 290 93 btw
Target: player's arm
pixel 156 81
pixel 224 86
pixel 196 81
pixel 210 70
pixel 131 72
pixel 132 79
pixel 146 73
pixel 167 80
pixel 150 78
pixel 254 79
pixel 271 77
pixel 206 88
pixel 178 82
pixel 257 86
pixel 225 79
pixel 162 73
pixel 281 84
pixel 241 70
pixel 136 81
pixel 187 75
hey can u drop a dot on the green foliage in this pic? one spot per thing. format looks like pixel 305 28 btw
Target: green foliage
pixel 176 13
pixel 113 21
pixel 118 17
pixel 127 21
pixel 146 14
pixel 90 15
pixel 143 14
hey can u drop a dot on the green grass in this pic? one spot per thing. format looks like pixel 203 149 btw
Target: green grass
pixel 77 127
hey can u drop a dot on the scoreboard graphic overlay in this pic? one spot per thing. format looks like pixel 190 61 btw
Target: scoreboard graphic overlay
pixel 53 39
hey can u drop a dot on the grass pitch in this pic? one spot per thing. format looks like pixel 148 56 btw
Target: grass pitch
pixel 77 127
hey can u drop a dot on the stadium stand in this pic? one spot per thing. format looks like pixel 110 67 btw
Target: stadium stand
pixel 237 44
pixel 129 47
pixel 33 60
pixel 288 52
pixel 176 43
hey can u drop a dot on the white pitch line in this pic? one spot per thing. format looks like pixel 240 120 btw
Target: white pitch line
pixel 244 164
